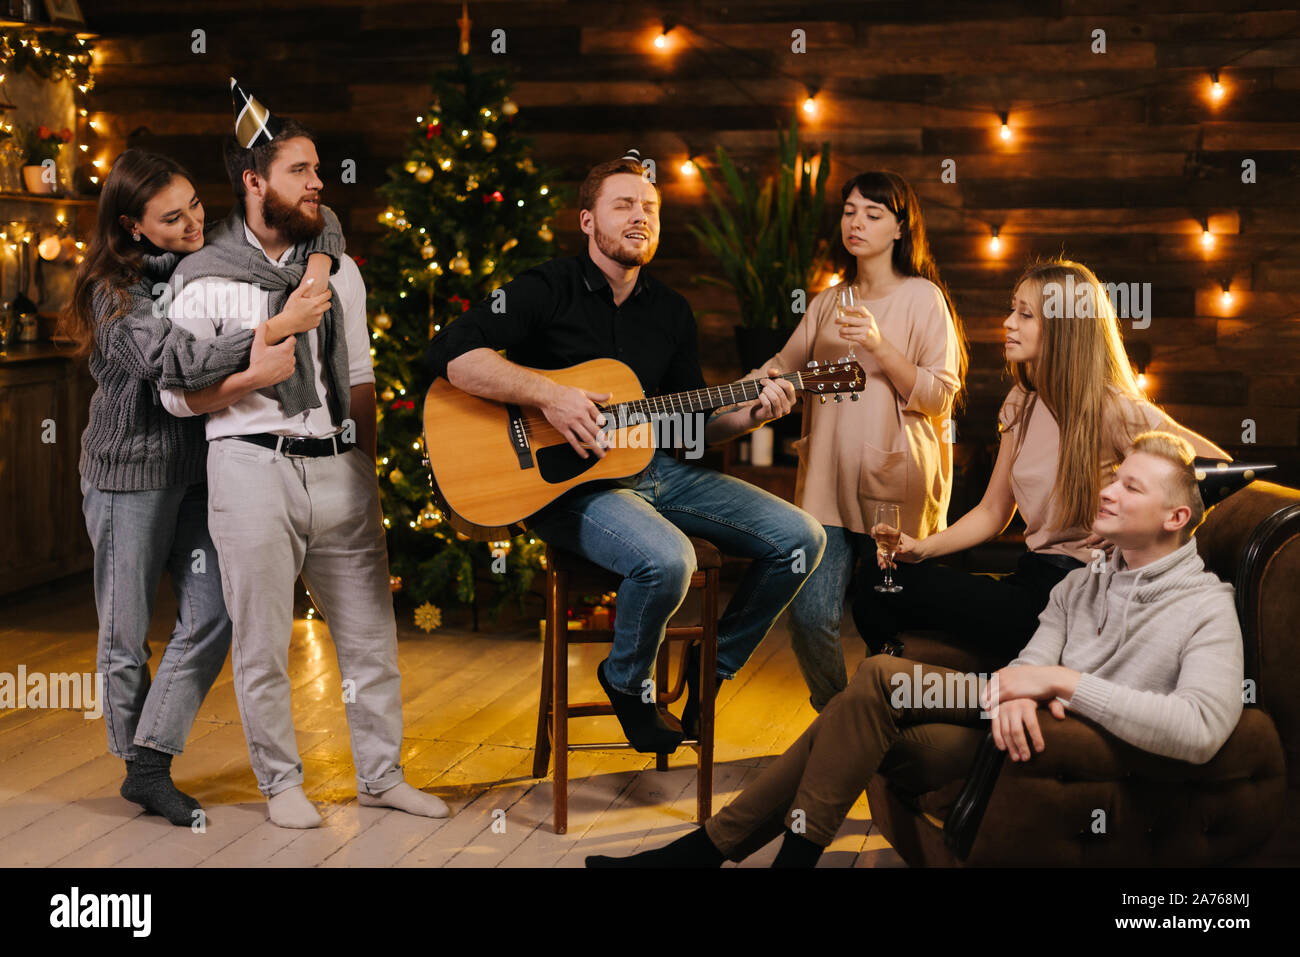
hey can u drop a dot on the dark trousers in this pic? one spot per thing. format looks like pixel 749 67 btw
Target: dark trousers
pixel 993 615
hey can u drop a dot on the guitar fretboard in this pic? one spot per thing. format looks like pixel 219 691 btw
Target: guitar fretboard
pixel 698 400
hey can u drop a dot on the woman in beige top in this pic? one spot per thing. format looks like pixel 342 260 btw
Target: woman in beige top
pixel 895 444
pixel 1066 356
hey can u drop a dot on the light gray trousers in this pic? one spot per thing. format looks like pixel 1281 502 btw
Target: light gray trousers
pixel 272 518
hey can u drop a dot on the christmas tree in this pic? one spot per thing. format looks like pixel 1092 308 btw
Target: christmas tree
pixel 467 210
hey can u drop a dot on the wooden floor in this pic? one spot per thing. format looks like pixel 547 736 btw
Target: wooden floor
pixel 469 704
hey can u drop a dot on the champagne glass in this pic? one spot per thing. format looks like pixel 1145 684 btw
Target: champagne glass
pixel 886 533
pixel 846 299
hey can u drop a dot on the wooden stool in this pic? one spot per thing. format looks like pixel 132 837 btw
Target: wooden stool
pixel 566 572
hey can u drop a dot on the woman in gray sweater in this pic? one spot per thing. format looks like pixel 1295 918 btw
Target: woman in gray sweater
pixel 143 472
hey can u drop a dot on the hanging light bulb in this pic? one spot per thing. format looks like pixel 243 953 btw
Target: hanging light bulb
pixel 1216 88
pixel 1207 237
pixel 1227 293
pixel 995 243
pixel 1005 132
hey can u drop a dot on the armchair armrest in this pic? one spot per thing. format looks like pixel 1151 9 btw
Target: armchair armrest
pixel 1077 749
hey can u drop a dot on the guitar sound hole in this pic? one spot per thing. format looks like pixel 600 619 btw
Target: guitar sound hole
pixel 559 463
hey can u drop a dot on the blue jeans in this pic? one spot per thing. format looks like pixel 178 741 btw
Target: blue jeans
pixel 816 611
pixel 136 535
pixel 640 530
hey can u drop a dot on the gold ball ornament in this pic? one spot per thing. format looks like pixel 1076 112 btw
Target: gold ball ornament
pixel 509 107
pixel 460 264
pixel 428 251
pixel 424 174
pixel 546 234
pixel 411 166
pixel 383 321
pixel 395 476
pixel 489 141
pixel 388 395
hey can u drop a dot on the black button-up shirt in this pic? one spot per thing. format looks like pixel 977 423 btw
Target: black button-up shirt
pixel 562 312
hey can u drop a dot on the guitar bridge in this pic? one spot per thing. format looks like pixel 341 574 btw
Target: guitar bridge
pixel 519 436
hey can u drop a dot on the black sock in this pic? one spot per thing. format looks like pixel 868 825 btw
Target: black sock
pixel 797 851
pixel 642 722
pixel 691 850
pixel 149 784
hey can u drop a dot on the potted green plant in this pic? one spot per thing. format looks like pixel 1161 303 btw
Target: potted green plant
pixel 769 240
pixel 42 145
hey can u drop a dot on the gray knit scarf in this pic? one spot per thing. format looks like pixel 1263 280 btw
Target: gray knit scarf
pixel 227 254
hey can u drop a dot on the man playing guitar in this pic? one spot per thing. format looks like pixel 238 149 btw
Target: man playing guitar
pixel 599 304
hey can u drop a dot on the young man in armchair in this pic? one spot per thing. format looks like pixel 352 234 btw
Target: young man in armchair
pixel 1145 644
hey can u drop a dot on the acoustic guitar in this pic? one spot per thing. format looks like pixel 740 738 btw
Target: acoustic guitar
pixel 494 464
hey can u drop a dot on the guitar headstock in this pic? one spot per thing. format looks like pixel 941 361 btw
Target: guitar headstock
pixel 834 378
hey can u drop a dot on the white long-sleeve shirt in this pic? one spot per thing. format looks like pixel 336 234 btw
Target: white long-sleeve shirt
pixel 213 306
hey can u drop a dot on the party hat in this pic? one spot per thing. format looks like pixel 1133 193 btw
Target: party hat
pixel 254 124
pixel 1219 479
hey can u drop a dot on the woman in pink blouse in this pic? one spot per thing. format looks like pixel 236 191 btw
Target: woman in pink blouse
pixel 1067 358
pixel 893 445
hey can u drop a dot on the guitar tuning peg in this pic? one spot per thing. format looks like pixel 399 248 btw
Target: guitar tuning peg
pixel 842 359
pixel 812 364
pixel 823 398
pixel 839 399
pixel 853 397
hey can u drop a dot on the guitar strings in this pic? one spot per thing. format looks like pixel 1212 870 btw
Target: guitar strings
pixel 529 423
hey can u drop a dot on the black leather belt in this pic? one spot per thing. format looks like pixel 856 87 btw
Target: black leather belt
pixel 299 446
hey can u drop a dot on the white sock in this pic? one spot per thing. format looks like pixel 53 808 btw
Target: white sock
pixel 290 808
pixel 403 797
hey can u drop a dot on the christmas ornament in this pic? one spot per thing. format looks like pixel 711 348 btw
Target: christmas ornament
pixel 428 616
pixel 411 166
pixel 460 264
pixel 428 251
pixel 424 174
pixel 496 196
pixel 471 183
pixel 388 395
pixel 509 107
pixel 395 476
pixel 489 141
pixel 383 321
pixel 433 129
pixel 546 234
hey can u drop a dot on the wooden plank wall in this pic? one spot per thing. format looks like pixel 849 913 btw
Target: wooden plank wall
pixel 1114 157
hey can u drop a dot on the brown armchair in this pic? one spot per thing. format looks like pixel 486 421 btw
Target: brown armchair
pixel 1089 799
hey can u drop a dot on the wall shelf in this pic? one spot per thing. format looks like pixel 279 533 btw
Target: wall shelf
pixel 43 198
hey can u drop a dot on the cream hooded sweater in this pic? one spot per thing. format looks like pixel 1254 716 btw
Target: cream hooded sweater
pixel 1159 648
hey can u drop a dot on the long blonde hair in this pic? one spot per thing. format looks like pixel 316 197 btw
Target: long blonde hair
pixel 1080 372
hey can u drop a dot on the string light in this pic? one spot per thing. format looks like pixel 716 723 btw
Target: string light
pixel 688 167
pixel 810 102
pixel 661 41
pixel 1227 293
pixel 995 243
pixel 1207 237
pixel 1216 88
pixel 1005 132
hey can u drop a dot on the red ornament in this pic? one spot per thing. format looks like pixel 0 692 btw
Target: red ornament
pixel 435 129
pixel 496 196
